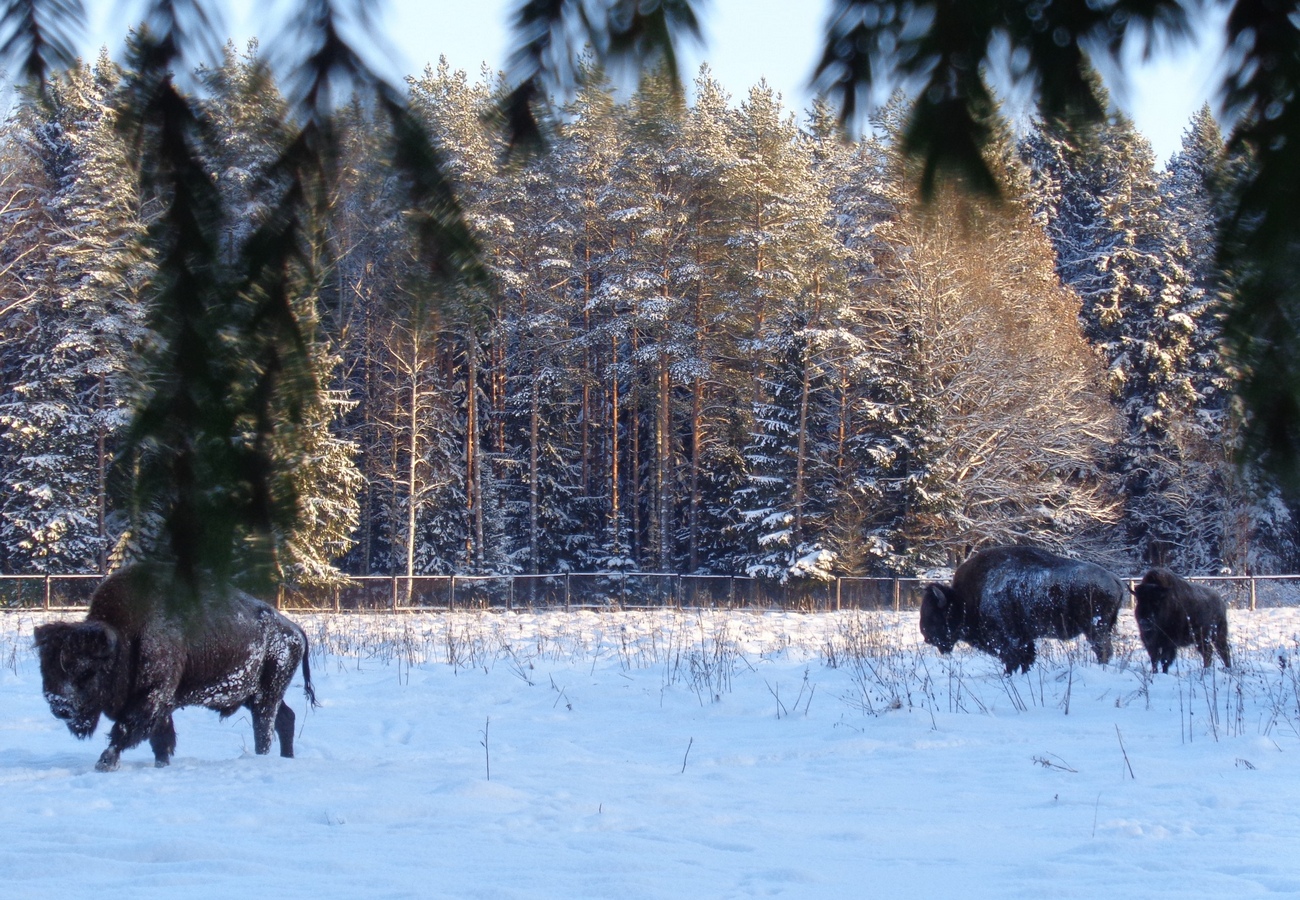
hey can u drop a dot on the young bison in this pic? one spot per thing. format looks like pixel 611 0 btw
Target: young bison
pixel 1004 598
pixel 1172 612
pixel 136 662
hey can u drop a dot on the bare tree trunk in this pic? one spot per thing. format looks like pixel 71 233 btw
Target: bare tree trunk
pixel 616 517
pixel 412 462
pixel 634 448
pixel 801 457
pixel 663 465
pixel 634 465
pixel 587 371
pixel 534 493
pixel 760 313
pixel 697 402
pixel 473 458
pixel 102 463
pixel 586 408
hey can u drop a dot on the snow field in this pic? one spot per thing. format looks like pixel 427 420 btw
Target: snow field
pixel 666 754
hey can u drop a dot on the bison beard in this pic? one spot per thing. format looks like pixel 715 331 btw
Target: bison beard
pixel 1003 599
pixel 1172 612
pixel 136 663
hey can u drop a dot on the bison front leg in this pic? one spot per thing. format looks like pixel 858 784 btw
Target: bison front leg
pixel 109 760
pixel 143 718
pixel 1168 652
pixel 1018 656
pixel 163 742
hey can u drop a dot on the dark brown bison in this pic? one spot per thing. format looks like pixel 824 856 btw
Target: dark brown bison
pixel 135 662
pixel 1003 599
pixel 1172 612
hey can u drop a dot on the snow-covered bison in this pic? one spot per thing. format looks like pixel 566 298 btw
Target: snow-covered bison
pixel 1172 612
pixel 135 662
pixel 1003 598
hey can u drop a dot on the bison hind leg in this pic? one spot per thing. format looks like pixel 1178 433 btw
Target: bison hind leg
pixel 1206 650
pixel 163 742
pixel 270 715
pixel 1221 644
pixel 1102 647
pixel 265 722
pixel 265 715
pixel 284 720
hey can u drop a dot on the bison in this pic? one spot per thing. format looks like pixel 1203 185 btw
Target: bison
pixel 1172 612
pixel 1003 598
pixel 135 660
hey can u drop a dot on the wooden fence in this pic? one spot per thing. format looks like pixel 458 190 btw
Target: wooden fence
pixel 600 591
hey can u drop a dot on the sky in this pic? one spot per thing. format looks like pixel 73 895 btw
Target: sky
pixel 745 40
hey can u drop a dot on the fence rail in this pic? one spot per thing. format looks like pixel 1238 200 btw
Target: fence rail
pixel 598 591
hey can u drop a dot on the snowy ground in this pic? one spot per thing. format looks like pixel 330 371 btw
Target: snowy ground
pixel 681 755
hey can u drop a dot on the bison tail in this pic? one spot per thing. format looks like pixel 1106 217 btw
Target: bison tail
pixel 306 674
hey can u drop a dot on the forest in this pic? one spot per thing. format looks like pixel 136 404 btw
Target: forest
pixel 715 338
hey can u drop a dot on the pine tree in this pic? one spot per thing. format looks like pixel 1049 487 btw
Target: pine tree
pixel 469 318
pixel 371 250
pixel 793 287
pixel 708 361
pixel 881 438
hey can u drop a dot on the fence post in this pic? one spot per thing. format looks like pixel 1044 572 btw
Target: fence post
pixel 898 595
pixel 510 600
pixel 566 592
pixel 47 593
pixel 1252 593
pixel 731 591
pixel 451 593
pixel 839 583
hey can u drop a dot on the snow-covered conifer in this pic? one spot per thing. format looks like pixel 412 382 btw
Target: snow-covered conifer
pixel 71 345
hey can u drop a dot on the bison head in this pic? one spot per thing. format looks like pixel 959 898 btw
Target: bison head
pixel 941 617
pixel 77 662
pixel 1152 590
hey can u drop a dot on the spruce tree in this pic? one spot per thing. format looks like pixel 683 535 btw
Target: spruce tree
pixel 73 343
pixel 1142 307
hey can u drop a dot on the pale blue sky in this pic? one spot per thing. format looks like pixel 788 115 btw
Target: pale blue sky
pixel 746 40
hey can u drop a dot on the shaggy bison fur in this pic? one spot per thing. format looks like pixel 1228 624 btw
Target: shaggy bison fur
pixel 1172 612
pixel 1003 599
pixel 135 660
